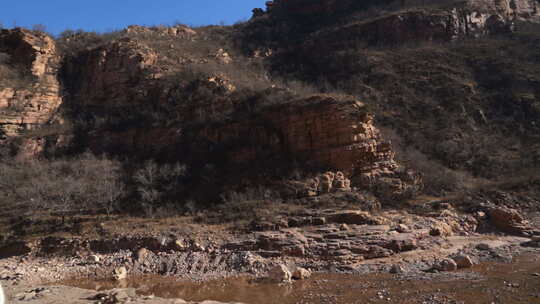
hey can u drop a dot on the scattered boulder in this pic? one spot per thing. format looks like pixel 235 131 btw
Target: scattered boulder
pixel 508 220
pixel 123 295
pixel 402 228
pixel 142 254
pixel 94 258
pixel 196 246
pixel 440 229
pixel 301 273
pixel 480 215
pixel 534 242
pixel 222 57
pixel 395 269
pixel 463 261
pixel 116 296
pixel 280 274
pixel 328 182
pixel 341 183
pixel 446 265
pixel 376 252
pixel 219 83
pixel 180 245
pixel 30 295
pixel 120 273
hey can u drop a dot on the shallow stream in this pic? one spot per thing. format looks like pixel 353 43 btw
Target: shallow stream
pixel 508 283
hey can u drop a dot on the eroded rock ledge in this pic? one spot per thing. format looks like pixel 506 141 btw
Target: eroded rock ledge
pixel 323 129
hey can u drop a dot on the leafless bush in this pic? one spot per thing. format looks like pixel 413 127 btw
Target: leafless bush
pixel 249 194
pixel 158 186
pixel 248 204
pixel 62 186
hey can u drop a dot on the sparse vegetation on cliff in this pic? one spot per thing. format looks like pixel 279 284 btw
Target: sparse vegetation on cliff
pixel 241 107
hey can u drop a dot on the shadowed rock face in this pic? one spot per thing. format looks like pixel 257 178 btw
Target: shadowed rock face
pixel 401 21
pixel 325 130
pixel 507 8
pixel 306 7
pixel 125 78
pixel 115 74
pixel 321 130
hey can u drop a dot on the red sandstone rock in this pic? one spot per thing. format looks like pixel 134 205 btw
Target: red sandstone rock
pixel 446 265
pixel 30 107
pixel 508 220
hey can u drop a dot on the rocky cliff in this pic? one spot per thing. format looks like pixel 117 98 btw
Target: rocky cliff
pixel 325 130
pixel 397 22
pixel 207 96
pixel 34 103
pixel 452 98
pixel 130 105
pixel 507 8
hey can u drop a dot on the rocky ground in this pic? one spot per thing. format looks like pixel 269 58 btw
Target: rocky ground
pixel 416 245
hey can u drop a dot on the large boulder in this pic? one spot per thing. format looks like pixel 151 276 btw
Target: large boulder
pixel 463 261
pixel 508 220
pixel 280 274
pixel 446 265
pixel 440 229
pixel 120 273
pixel 301 273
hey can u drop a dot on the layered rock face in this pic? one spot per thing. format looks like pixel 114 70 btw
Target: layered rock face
pixel 33 105
pixel 468 20
pixel 322 130
pixel 114 85
pixel 506 8
pixel 26 107
pixel 110 75
pixel 325 130
pixel 410 20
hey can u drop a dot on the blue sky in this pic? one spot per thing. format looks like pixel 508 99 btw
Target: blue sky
pixel 101 15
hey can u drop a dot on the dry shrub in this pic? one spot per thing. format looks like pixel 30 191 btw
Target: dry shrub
pixel 437 178
pixel 71 42
pixel 158 187
pixel 248 204
pixel 84 184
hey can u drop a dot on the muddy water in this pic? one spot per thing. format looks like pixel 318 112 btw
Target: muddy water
pixel 517 282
